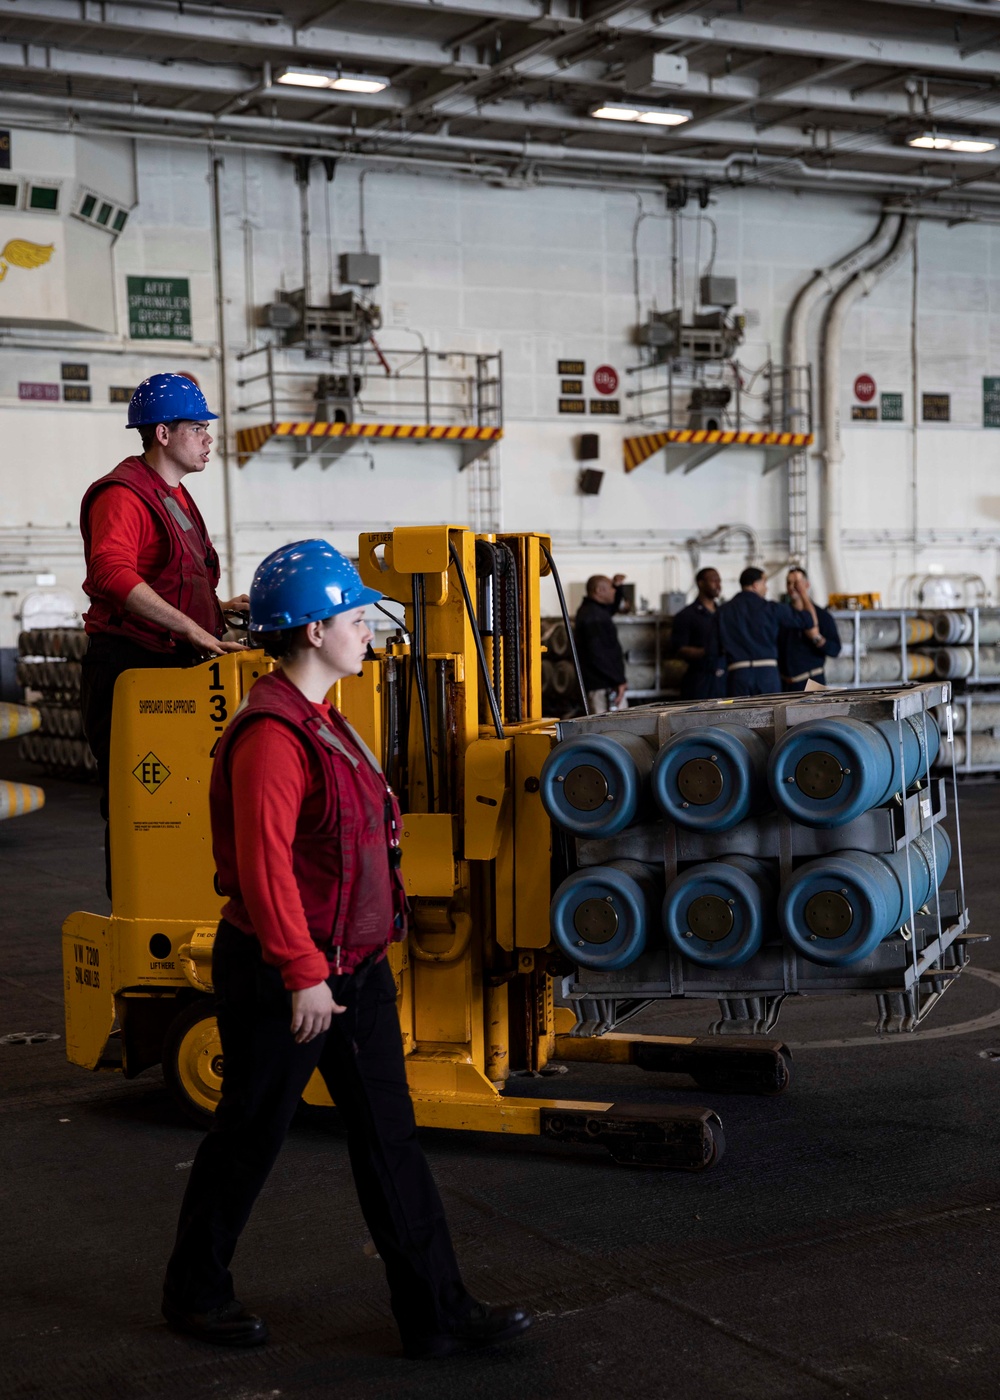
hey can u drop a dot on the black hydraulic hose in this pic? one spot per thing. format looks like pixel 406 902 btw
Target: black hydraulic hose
pixel 444 789
pixel 488 590
pixel 400 622
pixel 569 627
pixel 483 667
pixel 419 634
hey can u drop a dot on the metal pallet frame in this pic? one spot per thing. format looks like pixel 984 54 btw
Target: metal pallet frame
pixel 907 972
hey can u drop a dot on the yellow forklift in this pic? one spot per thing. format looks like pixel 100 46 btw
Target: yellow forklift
pixel 451 705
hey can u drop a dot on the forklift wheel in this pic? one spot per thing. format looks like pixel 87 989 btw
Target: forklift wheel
pixel 192 1062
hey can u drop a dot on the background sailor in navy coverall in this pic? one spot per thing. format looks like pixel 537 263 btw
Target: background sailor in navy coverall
pixel 695 639
pixel 597 644
pixel 748 630
pixel 802 657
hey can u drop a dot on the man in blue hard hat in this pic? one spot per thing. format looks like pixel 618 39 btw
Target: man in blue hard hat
pixel 305 834
pixel 152 571
pixel 749 627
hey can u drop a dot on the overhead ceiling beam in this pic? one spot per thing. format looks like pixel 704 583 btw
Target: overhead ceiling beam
pixel 194 77
pixel 981 8
pixel 236 80
pixel 262 32
pixel 817 43
pixel 551 14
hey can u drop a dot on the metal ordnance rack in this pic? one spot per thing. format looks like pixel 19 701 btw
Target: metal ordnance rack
pixel 896 628
pixel 907 972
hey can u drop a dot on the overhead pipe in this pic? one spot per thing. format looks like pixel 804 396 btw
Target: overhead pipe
pixel 716 539
pixel 823 282
pixel 833 446
pixel 224 414
pixel 791 173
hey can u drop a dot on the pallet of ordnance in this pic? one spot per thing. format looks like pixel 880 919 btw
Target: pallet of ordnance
pixel 754 849
pixel 49 669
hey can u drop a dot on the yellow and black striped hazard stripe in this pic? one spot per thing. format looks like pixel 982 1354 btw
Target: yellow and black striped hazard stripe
pixel 639 449
pixel 251 440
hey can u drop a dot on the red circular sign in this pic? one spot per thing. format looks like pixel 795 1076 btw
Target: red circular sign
pixel 864 388
pixel 605 379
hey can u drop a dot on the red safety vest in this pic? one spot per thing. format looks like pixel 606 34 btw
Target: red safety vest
pixel 187 581
pixel 347 862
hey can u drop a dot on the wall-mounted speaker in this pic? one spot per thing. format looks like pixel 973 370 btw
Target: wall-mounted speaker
pixel 589 447
pixel 590 481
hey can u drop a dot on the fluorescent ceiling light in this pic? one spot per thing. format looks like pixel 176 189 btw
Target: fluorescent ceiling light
pixel 355 82
pixel 298 77
pixel 343 82
pixel 650 116
pixel 941 141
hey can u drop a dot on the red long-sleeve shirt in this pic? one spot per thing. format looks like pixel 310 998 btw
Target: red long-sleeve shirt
pixel 276 783
pixel 128 544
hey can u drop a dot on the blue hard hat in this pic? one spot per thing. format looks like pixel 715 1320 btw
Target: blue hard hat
pixel 305 582
pixel 167 398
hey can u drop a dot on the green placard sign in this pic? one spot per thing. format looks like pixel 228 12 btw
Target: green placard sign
pixel 159 308
pixel 991 402
pixel 892 408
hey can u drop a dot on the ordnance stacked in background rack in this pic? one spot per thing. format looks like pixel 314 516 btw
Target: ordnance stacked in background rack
pixel 967 651
pixel 651 673
pixel 18 798
pixel 560 691
pixel 49 670
pixel 754 849
pixel 881 648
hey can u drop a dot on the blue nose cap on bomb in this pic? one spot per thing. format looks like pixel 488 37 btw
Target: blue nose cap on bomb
pixel 715 914
pixel 602 916
pixel 836 910
pixel 592 784
pixel 711 778
pixel 826 772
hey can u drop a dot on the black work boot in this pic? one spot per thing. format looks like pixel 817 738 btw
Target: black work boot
pixel 227 1326
pixel 483 1326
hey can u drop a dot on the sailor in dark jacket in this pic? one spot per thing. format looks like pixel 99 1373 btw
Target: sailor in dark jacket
pixel 597 644
pixel 695 639
pixel 802 657
pixel 748 631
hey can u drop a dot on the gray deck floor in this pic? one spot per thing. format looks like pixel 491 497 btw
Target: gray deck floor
pixel 846 1245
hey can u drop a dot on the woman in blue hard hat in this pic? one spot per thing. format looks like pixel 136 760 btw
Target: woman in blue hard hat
pixel 305 836
pixel 152 572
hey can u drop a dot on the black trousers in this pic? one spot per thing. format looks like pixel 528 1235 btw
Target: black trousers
pixel 104 661
pixel 264 1074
